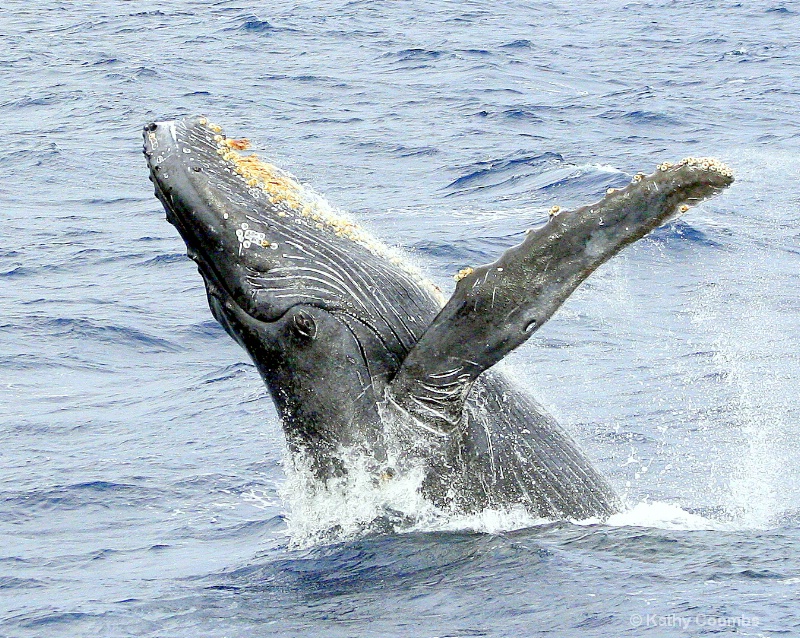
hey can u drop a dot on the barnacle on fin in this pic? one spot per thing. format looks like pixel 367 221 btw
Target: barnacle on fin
pixel 707 164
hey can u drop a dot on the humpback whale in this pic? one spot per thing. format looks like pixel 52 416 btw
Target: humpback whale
pixel 366 361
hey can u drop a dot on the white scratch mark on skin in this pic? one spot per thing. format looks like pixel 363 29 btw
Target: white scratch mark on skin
pixel 366 389
pixel 299 247
pixel 326 277
pixel 448 373
pixel 436 413
pixel 301 295
pixel 329 287
pixel 443 394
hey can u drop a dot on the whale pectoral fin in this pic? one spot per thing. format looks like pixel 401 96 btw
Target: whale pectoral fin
pixel 497 307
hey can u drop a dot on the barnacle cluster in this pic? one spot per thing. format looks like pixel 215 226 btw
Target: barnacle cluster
pixel 704 163
pixel 294 201
pixel 464 272
pixel 289 196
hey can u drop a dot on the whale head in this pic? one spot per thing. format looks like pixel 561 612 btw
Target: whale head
pixel 325 311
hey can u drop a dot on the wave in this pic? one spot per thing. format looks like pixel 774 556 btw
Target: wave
pixel 87 329
pixel 524 173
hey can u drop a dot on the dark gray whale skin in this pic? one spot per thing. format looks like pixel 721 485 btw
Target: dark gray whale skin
pixel 356 349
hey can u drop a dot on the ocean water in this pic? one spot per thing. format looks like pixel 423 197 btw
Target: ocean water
pixel 143 490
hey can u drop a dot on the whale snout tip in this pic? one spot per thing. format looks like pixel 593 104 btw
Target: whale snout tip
pixel 161 133
pixel 159 136
pixel 156 129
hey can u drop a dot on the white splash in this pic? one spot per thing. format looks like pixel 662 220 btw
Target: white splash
pixel 358 504
pixel 749 344
pixel 347 508
pixel 664 516
pixel 488 521
pixel 351 507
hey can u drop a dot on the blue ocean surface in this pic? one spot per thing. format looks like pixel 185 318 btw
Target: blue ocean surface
pixel 144 484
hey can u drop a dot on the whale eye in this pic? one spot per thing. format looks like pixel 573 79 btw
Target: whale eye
pixel 303 325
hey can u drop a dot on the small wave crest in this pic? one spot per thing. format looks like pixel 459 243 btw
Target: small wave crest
pixel 533 176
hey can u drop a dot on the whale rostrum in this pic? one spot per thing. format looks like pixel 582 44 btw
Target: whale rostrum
pixel 362 354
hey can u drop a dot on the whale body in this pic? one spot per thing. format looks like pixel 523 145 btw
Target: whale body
pixel 365 360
